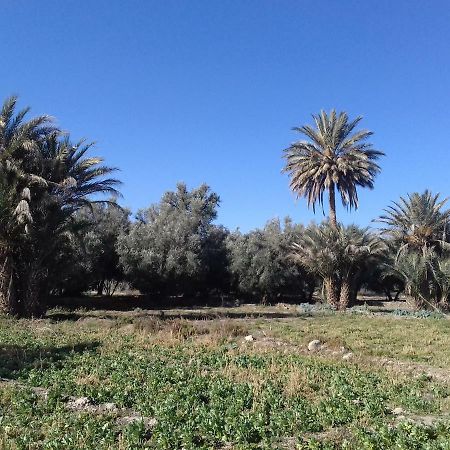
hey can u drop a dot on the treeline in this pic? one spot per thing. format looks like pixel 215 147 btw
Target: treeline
pixel 60 237
pixel 174 248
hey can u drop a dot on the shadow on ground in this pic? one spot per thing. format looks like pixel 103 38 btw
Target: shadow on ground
pixel 16 360
pixel 185 314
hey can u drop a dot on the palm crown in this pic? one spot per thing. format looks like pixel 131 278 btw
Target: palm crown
pixel 334 156
pixel 417 222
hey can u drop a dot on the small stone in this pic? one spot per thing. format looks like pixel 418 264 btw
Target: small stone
pixel 347 356
pixel 151 422
pixel 249 338
pixel 315 345
pixel 397 411
pixel 81 402
pixel 109 407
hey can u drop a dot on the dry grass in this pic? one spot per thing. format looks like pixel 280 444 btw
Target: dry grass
pixel 281 327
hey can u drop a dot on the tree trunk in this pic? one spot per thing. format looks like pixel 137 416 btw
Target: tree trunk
pixel 345 295
pixel 8 300
pixel 332 198
pixel 331 291
pixel 33 304
pixel 100 287
pixel 30 289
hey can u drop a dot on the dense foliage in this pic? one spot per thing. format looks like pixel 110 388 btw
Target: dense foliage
pixel 170 246
pixel 58 237
pixel 261 267
pixel 44 180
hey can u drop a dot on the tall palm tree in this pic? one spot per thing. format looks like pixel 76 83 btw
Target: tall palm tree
pixel 19 148
pixel 333 156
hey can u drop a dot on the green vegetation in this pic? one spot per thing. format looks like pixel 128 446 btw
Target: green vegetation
pixel 207 379
pixel 208 388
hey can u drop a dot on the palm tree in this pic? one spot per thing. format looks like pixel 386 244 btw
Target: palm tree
pixel 318 252
pixel 417 222
pixel 333 156
pixel 338 256
pixel 418 227
pixel 72 179
pixel 19 143
pixel 360 251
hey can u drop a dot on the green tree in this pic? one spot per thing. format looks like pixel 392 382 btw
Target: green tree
pixel 19 150
pixel 418 222
pixel 338 255
pixel 260 266
pixel 103 224
pixel 73 179
pixel 333 157
pixel 418 228
pixel 44 180
pixel 167 247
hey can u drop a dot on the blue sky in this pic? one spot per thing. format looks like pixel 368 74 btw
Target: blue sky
pixel 208 91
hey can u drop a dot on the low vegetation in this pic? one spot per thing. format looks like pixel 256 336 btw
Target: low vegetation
pixel 196 384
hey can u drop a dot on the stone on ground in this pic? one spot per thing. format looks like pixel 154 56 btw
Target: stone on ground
pixel 315 345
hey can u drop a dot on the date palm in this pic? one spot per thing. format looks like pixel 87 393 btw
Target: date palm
pixel 72 179
pixel 418 222
pixel 333 156
pixel 338 255
pixel 418 226
pixel 19 150
pixel 319 252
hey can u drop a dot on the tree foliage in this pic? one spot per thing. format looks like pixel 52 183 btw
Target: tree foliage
pixel 334 156
pixel 260 266
pixel 45 179
pixel 339 256
pixel 167 248
pixel 418 228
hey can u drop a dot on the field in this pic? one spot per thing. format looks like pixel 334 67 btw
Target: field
pixel 195 379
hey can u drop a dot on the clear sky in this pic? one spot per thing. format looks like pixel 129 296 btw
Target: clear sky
pixel 208 91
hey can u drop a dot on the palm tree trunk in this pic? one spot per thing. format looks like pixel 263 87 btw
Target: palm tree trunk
pixel 331 291
pixel 345 295
pixel 332 199
pixel 33 304
pixel 8 303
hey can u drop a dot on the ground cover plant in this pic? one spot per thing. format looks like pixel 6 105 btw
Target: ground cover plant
pixel 201 384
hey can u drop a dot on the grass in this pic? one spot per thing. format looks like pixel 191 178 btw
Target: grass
pixel 207 388
pixel 409 339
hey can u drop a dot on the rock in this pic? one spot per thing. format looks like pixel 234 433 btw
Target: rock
pixel 109 407
pixel 315 345
pixel 81 402
pixel 398 411
pixel 347 356
pixel 249 338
